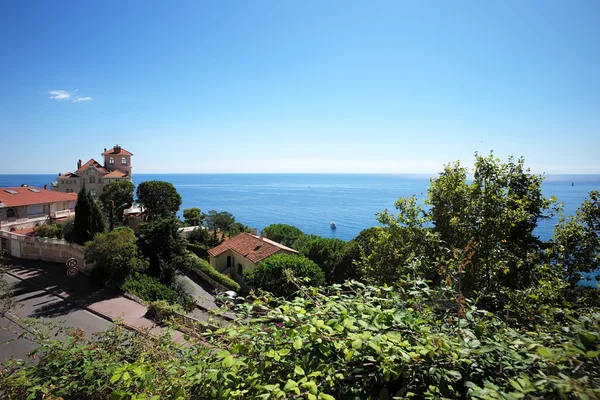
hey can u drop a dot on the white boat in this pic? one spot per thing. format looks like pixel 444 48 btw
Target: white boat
pixel 332 224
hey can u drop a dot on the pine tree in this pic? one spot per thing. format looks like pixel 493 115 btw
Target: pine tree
pixel 82 218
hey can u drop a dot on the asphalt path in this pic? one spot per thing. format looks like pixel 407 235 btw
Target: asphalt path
pixel 43 307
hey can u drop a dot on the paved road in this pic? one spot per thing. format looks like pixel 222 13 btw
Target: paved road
pixel 44 307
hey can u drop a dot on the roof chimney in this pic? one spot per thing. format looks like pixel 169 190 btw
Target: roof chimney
pixel 59 174
pixel 105 149
pixel 255 231
pixel 78 164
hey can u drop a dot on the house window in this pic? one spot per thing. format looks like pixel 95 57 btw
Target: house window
pixel 123 161
pixel 93 192
pixel 239 269
pixel 111 160
pixel 229 261
pixel 10 213
pixel 92 179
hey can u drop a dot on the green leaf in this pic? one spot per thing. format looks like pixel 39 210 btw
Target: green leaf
pixel 357 344
pixel 115 378
pixel 544 352
pixel 297 344
pixel 290 385
pixel 228 361
pixel 453 376
pixel 298 370
pixel 325 396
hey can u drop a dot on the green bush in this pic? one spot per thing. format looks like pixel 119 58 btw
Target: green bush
pixel 67 230
pixel 49 231
pixel 198 249
pixel 161 310
pixel 272 274
pixel 198 264
pixel 151 289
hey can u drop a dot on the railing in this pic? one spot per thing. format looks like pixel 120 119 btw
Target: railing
pixel 61 214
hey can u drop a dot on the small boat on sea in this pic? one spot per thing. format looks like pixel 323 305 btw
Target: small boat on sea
pixel 332 225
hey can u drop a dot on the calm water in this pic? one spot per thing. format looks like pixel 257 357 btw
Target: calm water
pixel 312 201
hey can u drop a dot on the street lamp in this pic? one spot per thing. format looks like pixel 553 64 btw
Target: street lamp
pixel 112 213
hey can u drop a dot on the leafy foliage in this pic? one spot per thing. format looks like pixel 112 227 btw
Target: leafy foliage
pixel 67 228
pixel 88 218
pixel 193 216
pixel 327 253
pixel 116 196
pixel 161 310
pixel 49 231
pixel 576 243
pixel 222 221
pixel 476 235
pixel 272 274
pixel 151 289
pixel 163 245
pixel 204 237
pixel 282 233
pixel 196 263
pixel 160 199
pixel 115 254
pixel 345 341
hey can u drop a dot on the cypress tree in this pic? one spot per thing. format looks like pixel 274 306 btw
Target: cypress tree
pixel 82 218
pixel 97 222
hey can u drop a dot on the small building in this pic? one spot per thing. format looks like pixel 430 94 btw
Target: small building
pixel 27 207
pixel 116 166
pixel 244 251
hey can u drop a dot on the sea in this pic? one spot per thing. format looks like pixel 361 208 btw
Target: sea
pixel 312 201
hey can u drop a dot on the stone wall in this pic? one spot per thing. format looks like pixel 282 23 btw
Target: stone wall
pixel 44 249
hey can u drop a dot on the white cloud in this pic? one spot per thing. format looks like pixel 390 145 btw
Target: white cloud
pixel 78 99
pixel 60 95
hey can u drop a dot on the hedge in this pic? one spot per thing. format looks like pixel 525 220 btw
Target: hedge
pixel 151 289
pixel 202 265
pixel 198 249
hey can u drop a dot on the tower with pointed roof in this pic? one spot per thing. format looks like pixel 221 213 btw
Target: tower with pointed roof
pixel 116 166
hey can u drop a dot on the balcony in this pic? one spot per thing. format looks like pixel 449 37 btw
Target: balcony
pixel 61 214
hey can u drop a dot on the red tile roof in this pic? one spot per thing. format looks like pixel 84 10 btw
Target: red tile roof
pixel 254 248
pixel 118 151
pixel 115 174
pixel 95 164
pixel 68 175
pixel 26 197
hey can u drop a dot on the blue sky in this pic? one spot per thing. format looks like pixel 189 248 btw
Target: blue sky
pixel 300 86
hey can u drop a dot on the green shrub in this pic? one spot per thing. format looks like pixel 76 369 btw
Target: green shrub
pixel 271 274
pixel 198 249
pixel 151 289
pixel 67 230
pixel 49 231
pixel 198 264
pixel 161 310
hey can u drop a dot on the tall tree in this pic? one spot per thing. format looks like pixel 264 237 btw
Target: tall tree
pixel 327 253
pixel 115 198
pixel 271 274
pixel 219 220
pixel 116 254
pixel 160 199
pixel 479 231
pixel 88 218
pixel 576 242
pixel 82 218
pixel 163 245
pixel 193 216
pixel 282 233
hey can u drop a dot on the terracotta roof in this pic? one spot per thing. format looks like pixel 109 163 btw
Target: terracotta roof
pixel 25 196
pixel 117 151
pixel 68 175
pixel 254 248
pixel 115 174
pixel 95 164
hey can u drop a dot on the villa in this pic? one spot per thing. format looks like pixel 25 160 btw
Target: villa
pixel 23 208
pixel 244 251
pixel 116 167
